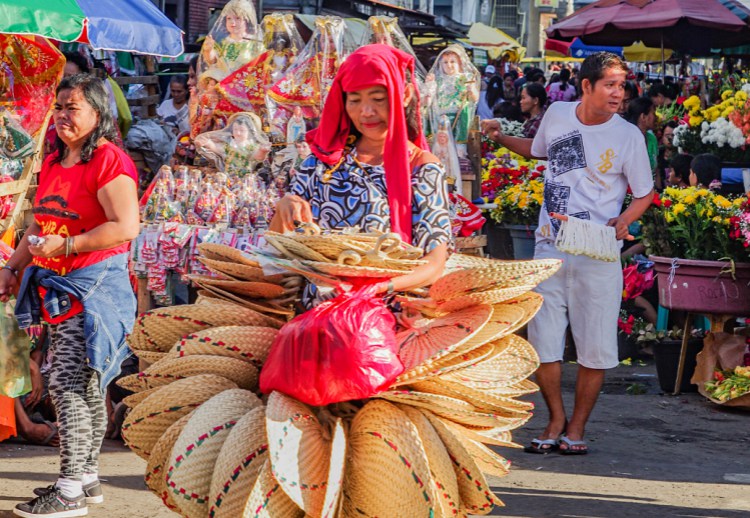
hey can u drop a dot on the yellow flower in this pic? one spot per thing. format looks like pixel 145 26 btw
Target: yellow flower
pixel 741 96
pixel 693 102
pixel 722 202
pixel 702 192
pixel 739 201
pixel 695 120
pixel 689 199
pixel 679 209
pixel 726 94
pixel 716 219
pixel 669 216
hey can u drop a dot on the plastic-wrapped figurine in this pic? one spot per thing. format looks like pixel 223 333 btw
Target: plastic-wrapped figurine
pixel 245 88
pixel 295 127
pixel 308 80
pixel 237 149
pixel 302 150
pixel 234 39
pixel 385 30
pixel 15 143
pixel 208 97
pixel 452 89
pixel 444 147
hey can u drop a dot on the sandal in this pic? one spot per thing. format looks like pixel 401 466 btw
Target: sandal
pixel 569 444
pixel 542 446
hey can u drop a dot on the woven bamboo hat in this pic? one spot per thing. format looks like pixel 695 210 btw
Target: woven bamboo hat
pixel 487 460
pixel 486 435
pixel 133 400
pixel 159 329
pixel 441 335
pixel 482 401
pixel 191 464
pixel 514 360
pixel 150 419
pixel 448 363
pixel 497 274
pixel 238 465
pixel 300 451
pixel 347 270
pixel 530 302
pixel 388 472
pixel 238 271
pixel 247 343
pixel 476 495
pixel 150 356
pixel 156 477
pixel 290 248
pixel 441 467
pixel 491 296
pixel 268 308
pixel 169 369
pixel 253 289
pixel 521 388
pixel 336 470
pixel 504 319
pixel 267 499
pixel 435 402
pixel 225 253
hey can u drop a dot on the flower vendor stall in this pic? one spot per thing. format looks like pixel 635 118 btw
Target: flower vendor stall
pixel 698 240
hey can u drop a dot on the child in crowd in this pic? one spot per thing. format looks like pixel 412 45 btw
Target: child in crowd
pixel 679 172
pixel 705 171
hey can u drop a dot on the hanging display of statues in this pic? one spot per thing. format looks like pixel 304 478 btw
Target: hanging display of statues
pixel 238 148
pixel 452 89
pixel 443 146
pixel 386 30
pixel 307 81
pixel 233 41
pixel 245 88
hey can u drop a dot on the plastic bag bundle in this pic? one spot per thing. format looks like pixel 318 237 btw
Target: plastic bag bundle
pixel 582 237
pixel 15 344
pixel 341 350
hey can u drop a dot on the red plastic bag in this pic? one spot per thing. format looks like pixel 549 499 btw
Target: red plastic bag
pixel 341 350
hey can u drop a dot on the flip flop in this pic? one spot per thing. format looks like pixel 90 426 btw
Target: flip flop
pixel 52 433
pixel 542 446
pixel 569 443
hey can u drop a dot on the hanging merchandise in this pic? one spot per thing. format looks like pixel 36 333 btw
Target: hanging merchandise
pixel 452 89
pixel 308 80
pixel 386 30
pixel 237 149
pixel 245 88
pixel 15 143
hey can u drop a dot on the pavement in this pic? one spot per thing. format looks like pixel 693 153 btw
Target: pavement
pixel 651 455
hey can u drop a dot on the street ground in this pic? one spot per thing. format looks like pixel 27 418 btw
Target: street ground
pixel 651 455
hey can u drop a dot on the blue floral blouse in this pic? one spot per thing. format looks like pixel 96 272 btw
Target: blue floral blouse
pixel 355 195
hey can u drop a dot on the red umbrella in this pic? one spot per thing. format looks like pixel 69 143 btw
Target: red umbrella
pixel 693 26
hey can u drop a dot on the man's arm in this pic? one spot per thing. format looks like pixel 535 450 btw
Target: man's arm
pixel 492 130
pixel 634 211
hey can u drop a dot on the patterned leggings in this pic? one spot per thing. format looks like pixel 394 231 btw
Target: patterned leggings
pixel 74 388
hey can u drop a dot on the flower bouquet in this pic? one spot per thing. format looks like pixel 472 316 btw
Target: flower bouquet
pixel 729 384
pixel 519 203
pixel 501 168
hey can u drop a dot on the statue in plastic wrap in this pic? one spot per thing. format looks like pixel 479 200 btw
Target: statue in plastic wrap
pixel 245 88
pixel 444 147
pixel 233 41
pixel 15 143
pixel 452 88
pixel 237 149
pixel 307 81
pixel 385 30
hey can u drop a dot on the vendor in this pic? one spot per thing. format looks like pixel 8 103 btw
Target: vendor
pixel 174 111
pixel 369 167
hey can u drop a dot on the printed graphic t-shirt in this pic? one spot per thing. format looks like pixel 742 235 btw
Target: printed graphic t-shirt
pixel 590 167
pixel 66 202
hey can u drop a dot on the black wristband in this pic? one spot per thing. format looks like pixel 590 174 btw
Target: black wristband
pixel 10 269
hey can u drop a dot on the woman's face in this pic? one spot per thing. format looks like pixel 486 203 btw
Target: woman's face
pixel 236 26
pixel 625 103
pixel 508 82
pixel 667 137
pixel 527 102
pixel 649 119
pixel 450 64
pixel 75 119
pixel 179 92
pixel 368 110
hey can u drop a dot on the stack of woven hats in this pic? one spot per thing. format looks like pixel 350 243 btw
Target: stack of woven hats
pixel 216 447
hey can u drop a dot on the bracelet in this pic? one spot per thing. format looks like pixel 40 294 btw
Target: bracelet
pixel 10 269
pixel 70 246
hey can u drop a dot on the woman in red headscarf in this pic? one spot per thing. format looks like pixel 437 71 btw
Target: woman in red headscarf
pixel 369 165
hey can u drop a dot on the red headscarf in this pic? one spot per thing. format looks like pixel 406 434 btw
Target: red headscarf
pixel 368 66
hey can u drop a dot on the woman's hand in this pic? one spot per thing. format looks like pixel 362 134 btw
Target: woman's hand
pixel 492 129
pixel 8 284
pixel 291 210
pixel 52 246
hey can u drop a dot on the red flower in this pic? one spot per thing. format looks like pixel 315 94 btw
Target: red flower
pixel 667 203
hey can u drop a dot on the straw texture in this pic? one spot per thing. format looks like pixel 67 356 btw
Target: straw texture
pixel 441 468
pixel 253 289
pixel 441 336
pixel 156 476
pixel 268 308
pixel 247 343
pixel 193 457
pixel 491 296
pixel 387 471
pixel 225 253
pixel 487 460
pixel 238 465
pixel 239 271
pixel 149 420
pixel 475 492
pixel 169 369
pixel 449 363
pixel 300 451
pixel 268 500
pixel 345 270
pixel 481 400
pixel 336 468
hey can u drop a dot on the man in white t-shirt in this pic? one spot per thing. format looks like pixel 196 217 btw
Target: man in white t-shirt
pixel 594 155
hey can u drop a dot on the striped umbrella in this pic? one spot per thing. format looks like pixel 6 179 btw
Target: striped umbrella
pixel 131 26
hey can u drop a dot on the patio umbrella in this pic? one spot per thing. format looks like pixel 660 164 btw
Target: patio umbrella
pixel 130 26
pixel 494 41
pixel 693 26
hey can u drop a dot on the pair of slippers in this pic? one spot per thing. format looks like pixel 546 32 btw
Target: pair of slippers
pixel 545 446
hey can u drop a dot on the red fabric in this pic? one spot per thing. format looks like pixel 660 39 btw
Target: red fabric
pixel 368 66
pixel 75 308
pixel 66 202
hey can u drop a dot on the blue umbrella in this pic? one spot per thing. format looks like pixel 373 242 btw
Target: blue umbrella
pixel 125 25
pixel 578 49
